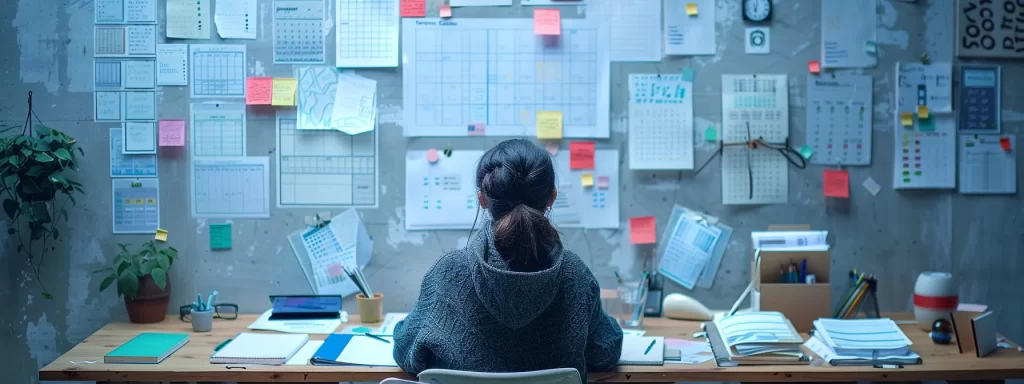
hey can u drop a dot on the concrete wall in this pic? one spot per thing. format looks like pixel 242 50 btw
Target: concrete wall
pixel 895 235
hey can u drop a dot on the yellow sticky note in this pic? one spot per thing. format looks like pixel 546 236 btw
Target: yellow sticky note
pixel 587 179
pixel 284 92
pixel 907 118
pixel 549 125
pixel 922 111
pixel 691 9
pixel 161 234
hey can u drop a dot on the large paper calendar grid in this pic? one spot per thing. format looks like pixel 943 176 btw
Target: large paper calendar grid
pixel 319 168
pixel 839 120
pixel 218 73
pixel 754 107
pixel 660 122
pixel 367 33
pixel 218 135
pixel 229 190
pixel 498 72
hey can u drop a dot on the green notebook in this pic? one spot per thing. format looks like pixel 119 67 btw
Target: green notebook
pixel 147 348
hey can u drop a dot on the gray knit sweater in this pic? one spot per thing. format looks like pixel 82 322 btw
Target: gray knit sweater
pixel 475 314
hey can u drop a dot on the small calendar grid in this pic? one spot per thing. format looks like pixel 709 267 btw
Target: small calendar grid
pixel 660 123
pixel 218 136
pixel 754 107
pixel 229 190
pixel 218 74
pixel 298 32
pixel 367 29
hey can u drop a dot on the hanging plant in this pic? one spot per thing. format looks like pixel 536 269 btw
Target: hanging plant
pixel 35 187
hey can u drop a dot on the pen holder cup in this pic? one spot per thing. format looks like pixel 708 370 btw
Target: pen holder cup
pixel 631 303
pixel 202 321
pixel 370 309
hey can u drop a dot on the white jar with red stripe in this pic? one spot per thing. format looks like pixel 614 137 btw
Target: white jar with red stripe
pixel 935 296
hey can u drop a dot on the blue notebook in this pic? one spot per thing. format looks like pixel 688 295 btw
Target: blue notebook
pixel 345 349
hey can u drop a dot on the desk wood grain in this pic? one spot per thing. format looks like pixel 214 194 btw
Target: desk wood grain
pixel 191 362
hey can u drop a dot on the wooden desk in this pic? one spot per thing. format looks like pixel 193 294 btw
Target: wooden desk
pixel 191 362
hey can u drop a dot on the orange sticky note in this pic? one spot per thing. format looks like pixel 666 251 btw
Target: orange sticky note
pixel 814 66
pixel 413 8
pixel 691 9
pixel 581 155
pixel 547 21
pixel 642 230
pixel 446 11
pixel 1004 143
pixel 259 90
pixel 837 183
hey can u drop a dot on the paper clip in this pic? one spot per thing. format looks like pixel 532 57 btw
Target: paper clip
pixel 925 59
pixel 320 223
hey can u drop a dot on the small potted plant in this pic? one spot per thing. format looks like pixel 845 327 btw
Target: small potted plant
pixel 142 279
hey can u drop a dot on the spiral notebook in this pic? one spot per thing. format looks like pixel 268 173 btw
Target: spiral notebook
pixel 642 350
pixel 259 348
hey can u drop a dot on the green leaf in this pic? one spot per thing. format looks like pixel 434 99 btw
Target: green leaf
pixel 62 154
pixel 42 130
pixel 80 150
pixel 40 212
pixel 106 282
pixel 64 212
pixel 122 267
pixel 42 157
pixel 9 180
pixel 164 261
pixel 147 267
pixel 128 285
pixel 160 277
pixel 104 269
pixel 47 295
pixel 10 208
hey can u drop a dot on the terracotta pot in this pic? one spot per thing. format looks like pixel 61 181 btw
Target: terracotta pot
pixel 150 305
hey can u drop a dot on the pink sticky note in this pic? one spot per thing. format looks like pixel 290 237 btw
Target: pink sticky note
pixel 432 155
pixel 413 8
pixel 446 11
pixel 581 155
pixel 814 66
pixel 547 21
pixel 836 183
pixel 476 129
pixel 334 270
pixel 259 90
pixel 642 230
pixel 172 133
pixel 552 147
pixel 603 181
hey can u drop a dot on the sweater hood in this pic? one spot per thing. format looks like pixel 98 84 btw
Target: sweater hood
pixel 514 298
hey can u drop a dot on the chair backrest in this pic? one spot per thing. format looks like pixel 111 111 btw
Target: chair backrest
pixel 547 376
pixel 392 380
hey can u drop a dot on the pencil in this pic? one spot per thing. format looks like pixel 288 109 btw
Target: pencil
pixel 856 301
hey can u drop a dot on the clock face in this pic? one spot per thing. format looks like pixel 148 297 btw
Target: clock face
pixel 757 10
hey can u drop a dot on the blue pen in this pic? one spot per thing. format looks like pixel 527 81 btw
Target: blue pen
pixel 803 271
pixel 198 303
pixel 209 302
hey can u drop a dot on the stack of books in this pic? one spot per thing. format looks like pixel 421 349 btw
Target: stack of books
pixel 755 338
pixel 861 342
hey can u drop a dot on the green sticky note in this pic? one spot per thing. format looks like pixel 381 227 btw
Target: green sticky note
pixel 220 236
pixel 361 330
pixel 688 74
pixel 710 134
pixel 870 47
pixel 926 125
pixel 806 152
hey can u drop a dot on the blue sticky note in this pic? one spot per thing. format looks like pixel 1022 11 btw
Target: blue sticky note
pixel 361 330
pixel 688 74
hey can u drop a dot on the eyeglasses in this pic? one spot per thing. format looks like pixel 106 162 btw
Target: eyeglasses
pixel 220 311
pixel 791 155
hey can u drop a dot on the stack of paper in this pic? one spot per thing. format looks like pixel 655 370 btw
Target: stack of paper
pixel 755 338
pixel 861 342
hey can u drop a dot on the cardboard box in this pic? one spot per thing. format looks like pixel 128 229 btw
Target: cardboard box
pixel 801 303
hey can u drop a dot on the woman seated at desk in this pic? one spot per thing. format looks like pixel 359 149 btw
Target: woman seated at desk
pixel 513 300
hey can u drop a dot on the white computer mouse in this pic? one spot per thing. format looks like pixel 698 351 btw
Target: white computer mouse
pixel 681 307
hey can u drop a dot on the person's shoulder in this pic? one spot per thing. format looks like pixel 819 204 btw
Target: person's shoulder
pixel 451 261
pixel 573 265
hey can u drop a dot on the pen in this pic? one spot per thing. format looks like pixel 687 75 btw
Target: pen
pixel 650 346
pixel 803 271
pixel 617 277
pixel 199 302
pixel 377 337
pixel 221 345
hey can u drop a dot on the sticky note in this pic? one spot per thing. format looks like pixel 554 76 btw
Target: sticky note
pixel 549 125
pixel 581 155
pixel 710 134
pixel 922 111
pixel 642 230
pixel 432 155
pixel 259 90
pixel 814 66
pixel 587 180
pixel 547 21
pixel 603 181
pixel 476 129
pixel 446 11
pixel 872 186
pixel 806 152
pixel 870 47
pixel 220 236
pixel 1004 143
pixel 172 133
pixel 413 8
pixel 161 235
pixel 926 125
pixel 284 92
pixel 688 74
pixel 907 118
pixel 335 270
pixel 836 183
pixel 691 9
pixel 552 147
pixel 368 330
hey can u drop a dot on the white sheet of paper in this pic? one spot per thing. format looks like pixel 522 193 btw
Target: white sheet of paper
pixel 355 104
pixel 122 165
pixel 108 74
pixel 925 84
pixel 135 205
pixel 217 129
pixel 217 70
pixel 140 74
pixel 139 105
pixel 314 327
pixel 479 3
pixel 138 137
pixel 331 185
pixel 565 211
pixel 142 40
pixel 298 32
pixel 689 35
pixel 305 353
pixel 367 33
pixel 660 122
pixel 230 187
pixel 317 88
pixel 441 195
pixel 124 11
pixel 557 2
pixel 985 168
pixel 108 106
pixel 570 75
pixel 188 19
pixel 762 102
pixel 633 37
pixel 330 249
pixel 124 41
pixel 367 351
pixel 689 249
pixel 846 28
pixel 924 158
pixel 839 119
pixel 113 74
pixel 872 186
pixel 236 19
pixel 172 64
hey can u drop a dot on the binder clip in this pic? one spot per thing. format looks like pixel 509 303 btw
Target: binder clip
pixel 925 59
pixel 448 151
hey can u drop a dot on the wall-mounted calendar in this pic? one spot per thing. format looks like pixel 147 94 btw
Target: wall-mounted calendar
pixel 839 119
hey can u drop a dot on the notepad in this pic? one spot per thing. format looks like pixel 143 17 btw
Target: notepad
pixel 258 348
pixel 342 349
pixel 147 348
pixel 637 350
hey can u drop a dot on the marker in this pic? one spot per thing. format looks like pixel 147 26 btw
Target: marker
pixel 377 337
pixel 650 346
pixel 221 345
